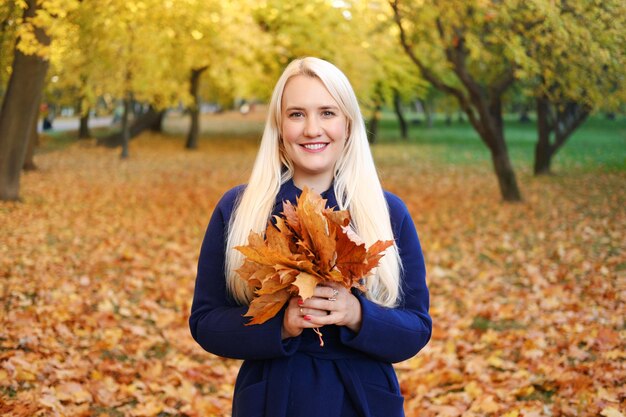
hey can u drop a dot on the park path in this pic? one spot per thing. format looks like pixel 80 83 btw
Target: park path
pixel 176 122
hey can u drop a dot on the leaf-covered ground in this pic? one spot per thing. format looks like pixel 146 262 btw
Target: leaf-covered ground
pixel 97 267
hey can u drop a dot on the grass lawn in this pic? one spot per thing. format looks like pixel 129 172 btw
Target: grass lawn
pixel 599 144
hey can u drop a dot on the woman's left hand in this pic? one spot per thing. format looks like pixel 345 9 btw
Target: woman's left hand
pixel 343 308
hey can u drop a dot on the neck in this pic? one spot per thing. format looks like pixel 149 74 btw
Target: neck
pixel 317 184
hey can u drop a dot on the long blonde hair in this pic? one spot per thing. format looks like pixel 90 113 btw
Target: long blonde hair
pixel 356 185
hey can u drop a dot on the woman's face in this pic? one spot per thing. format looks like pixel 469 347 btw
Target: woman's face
pixel 314 131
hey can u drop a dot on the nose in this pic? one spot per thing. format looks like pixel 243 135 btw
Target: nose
pixel 312 127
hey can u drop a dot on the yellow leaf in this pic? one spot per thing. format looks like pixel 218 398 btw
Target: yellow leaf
pixel 306 284
pixel 73 392
pixel 611 412
pixel 473 389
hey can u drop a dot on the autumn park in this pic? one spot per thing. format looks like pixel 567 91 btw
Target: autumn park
pixel 501 125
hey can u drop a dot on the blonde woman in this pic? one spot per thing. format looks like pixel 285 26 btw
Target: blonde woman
pixel 314 137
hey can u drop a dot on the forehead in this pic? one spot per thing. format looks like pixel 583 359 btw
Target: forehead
pixel 306 91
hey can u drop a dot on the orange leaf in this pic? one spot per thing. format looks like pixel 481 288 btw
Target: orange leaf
pixel 265 307
pixel 311 245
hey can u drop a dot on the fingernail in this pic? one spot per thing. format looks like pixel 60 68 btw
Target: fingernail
pixel 300 302
pixel 307 317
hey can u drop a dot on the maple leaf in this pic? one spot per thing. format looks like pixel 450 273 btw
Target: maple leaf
pixel 306 284
pixel 267 306
pixel 308 246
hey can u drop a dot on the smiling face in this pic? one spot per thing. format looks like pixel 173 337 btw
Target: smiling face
pixel 314 131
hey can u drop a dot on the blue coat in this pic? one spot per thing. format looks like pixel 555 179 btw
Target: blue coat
pixel 352 374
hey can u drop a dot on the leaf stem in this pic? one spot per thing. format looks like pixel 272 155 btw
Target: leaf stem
pixel 319 334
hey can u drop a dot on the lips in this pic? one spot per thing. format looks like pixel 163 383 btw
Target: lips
pixel 315 147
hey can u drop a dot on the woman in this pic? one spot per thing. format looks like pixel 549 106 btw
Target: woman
pixel 315 137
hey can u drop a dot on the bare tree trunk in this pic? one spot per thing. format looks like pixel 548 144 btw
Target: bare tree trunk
pixel 523 114
pixel 372 125
pixel 428 113
pixel 83 128
pixel 397 105
pixel 505 173
pixel 194 109
pixel 558 121
pixel 149 120
pixel 19 111
pixel 543 157
pixel 157 124
pixel 492 134
pixel 125 127
pixel 33 142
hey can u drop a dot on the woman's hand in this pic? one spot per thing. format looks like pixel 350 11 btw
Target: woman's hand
pixel 331 304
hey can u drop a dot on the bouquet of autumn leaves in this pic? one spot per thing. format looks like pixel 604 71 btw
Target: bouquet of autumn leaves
pixel 308 246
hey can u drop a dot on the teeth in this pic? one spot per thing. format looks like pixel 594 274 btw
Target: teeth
pixel 315 146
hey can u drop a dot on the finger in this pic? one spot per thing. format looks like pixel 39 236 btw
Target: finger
pixel 319 321
pixel 325 304
pixel 312 312
pixel 327 291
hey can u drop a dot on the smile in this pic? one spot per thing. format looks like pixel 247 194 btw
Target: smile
pixel 315 146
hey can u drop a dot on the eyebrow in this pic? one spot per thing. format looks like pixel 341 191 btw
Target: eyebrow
pixel 330 107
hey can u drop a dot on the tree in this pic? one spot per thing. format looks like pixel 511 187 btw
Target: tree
pixel 580 60
pixel 470 50
pixel 205 32
pixel 21 101
pixel 10 14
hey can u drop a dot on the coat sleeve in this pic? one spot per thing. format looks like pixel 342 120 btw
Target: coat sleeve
pixel 217 322
pixel 397 334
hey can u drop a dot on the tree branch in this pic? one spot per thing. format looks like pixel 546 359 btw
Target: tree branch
pixel 568 121
pixel 429 75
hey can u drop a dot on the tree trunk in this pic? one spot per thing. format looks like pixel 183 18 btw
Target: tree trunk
pixel 83 129
pixel 428 113
pixel 125 133
pixel 194 109
pixel 157 124
pixel 33 142
pixel 506 176
pixel 372 125
pixel 397 105
pixel 492 132
pixel 524 117
pixel 543 152
pixel 141 123
pixel 560 121
pixel 19 111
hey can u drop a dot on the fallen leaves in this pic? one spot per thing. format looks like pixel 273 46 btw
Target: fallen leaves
pixel 528 300
pixel 307 247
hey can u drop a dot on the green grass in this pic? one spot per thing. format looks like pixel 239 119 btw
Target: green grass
pixel 598 144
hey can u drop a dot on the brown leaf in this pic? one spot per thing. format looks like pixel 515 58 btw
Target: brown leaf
pixel 315 225
pixel 264 308
pixel 311 245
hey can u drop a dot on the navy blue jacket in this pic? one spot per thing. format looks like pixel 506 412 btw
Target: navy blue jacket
pixel 352 374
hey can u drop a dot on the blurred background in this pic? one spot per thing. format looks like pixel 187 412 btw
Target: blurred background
pixel 501 124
